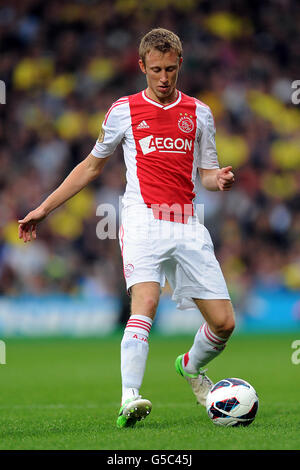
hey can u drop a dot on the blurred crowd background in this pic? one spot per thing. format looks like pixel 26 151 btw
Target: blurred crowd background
pixel 65 62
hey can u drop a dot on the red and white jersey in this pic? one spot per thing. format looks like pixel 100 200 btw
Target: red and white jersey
pixel 163 148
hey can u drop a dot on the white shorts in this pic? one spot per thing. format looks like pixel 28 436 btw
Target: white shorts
pixel 155 250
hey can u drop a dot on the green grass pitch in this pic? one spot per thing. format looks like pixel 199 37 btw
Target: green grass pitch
pixel 65 394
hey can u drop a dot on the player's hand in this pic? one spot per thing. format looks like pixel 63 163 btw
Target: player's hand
pixel 27 226
pixel 225 178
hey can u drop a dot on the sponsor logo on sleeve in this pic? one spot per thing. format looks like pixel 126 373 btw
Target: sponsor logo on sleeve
pixel 101 136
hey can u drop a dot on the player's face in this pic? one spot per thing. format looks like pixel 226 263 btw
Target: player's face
pixel 161 71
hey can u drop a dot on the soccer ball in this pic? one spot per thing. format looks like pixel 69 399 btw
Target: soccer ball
pixel 232 402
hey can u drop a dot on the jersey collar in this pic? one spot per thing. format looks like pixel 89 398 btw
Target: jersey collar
pixel 159 105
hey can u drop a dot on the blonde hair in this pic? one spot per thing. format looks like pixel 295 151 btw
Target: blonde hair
pixel 160 39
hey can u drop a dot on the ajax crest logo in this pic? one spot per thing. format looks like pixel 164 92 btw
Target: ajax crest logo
pixel 128 270
pixel 185 123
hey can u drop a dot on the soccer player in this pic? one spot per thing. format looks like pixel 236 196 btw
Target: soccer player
pixel 168 140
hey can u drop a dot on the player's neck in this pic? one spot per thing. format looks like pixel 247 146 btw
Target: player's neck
pixel 167 100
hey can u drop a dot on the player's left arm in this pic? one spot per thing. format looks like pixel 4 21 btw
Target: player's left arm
pixel 212 177
pixel 217 179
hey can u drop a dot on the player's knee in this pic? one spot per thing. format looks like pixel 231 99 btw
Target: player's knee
pixel 150 304
pixel 225 327
pixel 147 305
pixel 229 326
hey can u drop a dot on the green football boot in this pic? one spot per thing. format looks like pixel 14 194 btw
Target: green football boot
pixel 133 410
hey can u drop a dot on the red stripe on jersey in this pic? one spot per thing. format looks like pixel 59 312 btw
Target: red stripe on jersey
pixel 165 154
pixel 203 104
pixel 122 246
pixel 114 105
pixel 206 106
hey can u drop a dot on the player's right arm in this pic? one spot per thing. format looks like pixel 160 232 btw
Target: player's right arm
pixel 85 172
pixel 112 132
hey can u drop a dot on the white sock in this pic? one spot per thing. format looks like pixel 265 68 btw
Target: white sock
pixel 207 345
pixel 134 353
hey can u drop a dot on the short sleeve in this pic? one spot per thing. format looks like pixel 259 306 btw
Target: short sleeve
pixel 208 157
pixel 111 133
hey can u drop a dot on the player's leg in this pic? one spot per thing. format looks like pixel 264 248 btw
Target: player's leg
pixel 209 342
pixel 145 298
pixel 200 278
pixel 134 345
pixel 211 338
pixel 141 249
pixel 134 351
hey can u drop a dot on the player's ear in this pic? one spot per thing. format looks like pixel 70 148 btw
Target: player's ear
pixel 180 61
pixel 142 66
